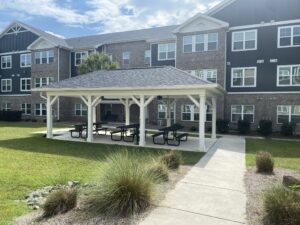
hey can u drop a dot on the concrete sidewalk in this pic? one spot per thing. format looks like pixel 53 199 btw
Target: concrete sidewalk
pixel 212 193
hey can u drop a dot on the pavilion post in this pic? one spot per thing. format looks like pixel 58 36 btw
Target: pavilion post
pixel 214 118
pixel 49 118
pixel 94 114
pixel 127 112
pixel 168 113
pixel 202 114
pixel 90 119
pixel 142 121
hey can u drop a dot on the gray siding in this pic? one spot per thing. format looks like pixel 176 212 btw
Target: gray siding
pixel 17 42
pixel 154 58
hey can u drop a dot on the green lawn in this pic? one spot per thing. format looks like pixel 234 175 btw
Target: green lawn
pixel 28 162
pixel 286 153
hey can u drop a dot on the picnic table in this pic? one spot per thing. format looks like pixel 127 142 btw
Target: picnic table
pixel 123 131
pixel 165 132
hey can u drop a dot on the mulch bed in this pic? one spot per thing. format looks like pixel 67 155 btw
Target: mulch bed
pixel 256 185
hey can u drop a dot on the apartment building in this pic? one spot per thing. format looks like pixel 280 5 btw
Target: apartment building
pixel 250 47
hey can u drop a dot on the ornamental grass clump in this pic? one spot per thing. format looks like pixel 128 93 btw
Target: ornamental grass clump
pixel 60 201
pixel 159 171
pixel 172 159
pixel 282 206
pixel 126 187
pixel 264 162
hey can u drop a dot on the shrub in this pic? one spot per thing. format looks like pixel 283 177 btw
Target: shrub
pixel 282 206
pixel 264 162
pixel 126 187
pixel 159 171
pixel 193 129
pixel 222 126
pixel 60 201
pixel 10 116
pixel 287 129
pixel 265 127
pixel 172 159
pixel 244 126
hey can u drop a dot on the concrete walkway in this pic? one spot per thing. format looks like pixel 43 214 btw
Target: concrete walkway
pixel 212 193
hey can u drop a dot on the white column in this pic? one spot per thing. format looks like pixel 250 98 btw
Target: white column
pixel 49 118
pixel 202 114
pixel 94 114
pixel 168 113
pixel 214 118
pixel 90 120
pixel 127 112
pixel 142 121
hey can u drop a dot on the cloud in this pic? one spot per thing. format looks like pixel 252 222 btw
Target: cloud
pixel 112 15
pixel 57 35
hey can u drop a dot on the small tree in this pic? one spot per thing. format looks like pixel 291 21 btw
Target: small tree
pixel 97 61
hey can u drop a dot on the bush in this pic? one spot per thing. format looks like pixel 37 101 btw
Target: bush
pixel 10 116
pixel 193 129
pixel 264 162
pixel 287 129
pixel 60 201
pixel 222 126
pixel 265 127
pixel 282 206
pixel 159 171
pixel 172 159
pixel 244 126
pixel 126 187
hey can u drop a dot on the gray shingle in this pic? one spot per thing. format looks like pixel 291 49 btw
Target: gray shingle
pixel 130 78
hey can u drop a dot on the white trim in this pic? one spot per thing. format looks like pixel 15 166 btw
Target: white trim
pixel 41 57
pixel 266 92
pixel 243 85
pixel 126 53
pixel 292 27
pixel 40 109
pixel 244 41
pixel 10 90
pixel 264 24
pixel 242 113
pixel 167 50
pixel 14 52
pixel 205 42
pixel 289 113
pixel 286 85
pixel 26 108
pixel 81 59
pixel 26 79
pixel 147 50
pixel 81 109
pixel 25 54
pixel 48 81
pixel 2 58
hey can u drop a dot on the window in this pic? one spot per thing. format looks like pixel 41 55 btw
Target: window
pixel 209 112
pixel 6 85
pixel 25 60
pixel 6 62
pixel 126 58
pixel 25 84
pixel 43 81
pixel 6 106
pixel 243 77
pixel 205 74
pixel 166 51
pixel 242 112
pixel 80 110
pixel 147 57
pixel 244 40
pixel 288 75
pixel 26 109
pixel 200 43
pixel 289 36
pixel 162 111
pixel 191 113
pixel 44 57
pixel 288 113
pixel 40 109
pixel 80 57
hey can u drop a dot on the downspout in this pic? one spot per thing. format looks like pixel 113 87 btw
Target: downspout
pixel 58 79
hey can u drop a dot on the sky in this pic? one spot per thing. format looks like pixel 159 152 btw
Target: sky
pixel 73 18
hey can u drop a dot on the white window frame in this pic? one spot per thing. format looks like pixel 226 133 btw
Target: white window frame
pixel 242 114
pixel 205 43
pixel 193 112
pixel 26 80
pixel 290 76
pixel 197 73
pixel 82 107
pixel 243 84
pixel 5 106
pixel 41 57
pixel 86 53
pixel 244 41
pixel 25 109
pixel 126 56
pixel 172 108
pixel 6 82
pixel 167 51
pixel 289 112
pixel 6 57
pixel 25 57
pixel 292 36
pixel 145 57
pixel 42 106
pixel 49 80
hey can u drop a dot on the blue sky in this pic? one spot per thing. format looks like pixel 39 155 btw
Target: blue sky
pixel 72 18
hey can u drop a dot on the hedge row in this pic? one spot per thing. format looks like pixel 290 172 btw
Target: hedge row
pixel 10 115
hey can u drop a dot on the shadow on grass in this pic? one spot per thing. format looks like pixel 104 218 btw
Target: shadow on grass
pixel 92 151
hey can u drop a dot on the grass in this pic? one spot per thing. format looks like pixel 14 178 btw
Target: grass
pixel 29 162
pixel 286 154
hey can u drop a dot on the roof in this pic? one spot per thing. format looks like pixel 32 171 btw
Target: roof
pixel 140 78
pixel 151 34
pixel 219 7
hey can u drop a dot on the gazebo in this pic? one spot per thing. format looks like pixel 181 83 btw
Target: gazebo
pixel 135 86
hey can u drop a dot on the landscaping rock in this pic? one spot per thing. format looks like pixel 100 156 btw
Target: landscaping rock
pixel 290 181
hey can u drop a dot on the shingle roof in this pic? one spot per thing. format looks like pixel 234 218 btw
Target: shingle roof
pixel 157 77
pixel 151 34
